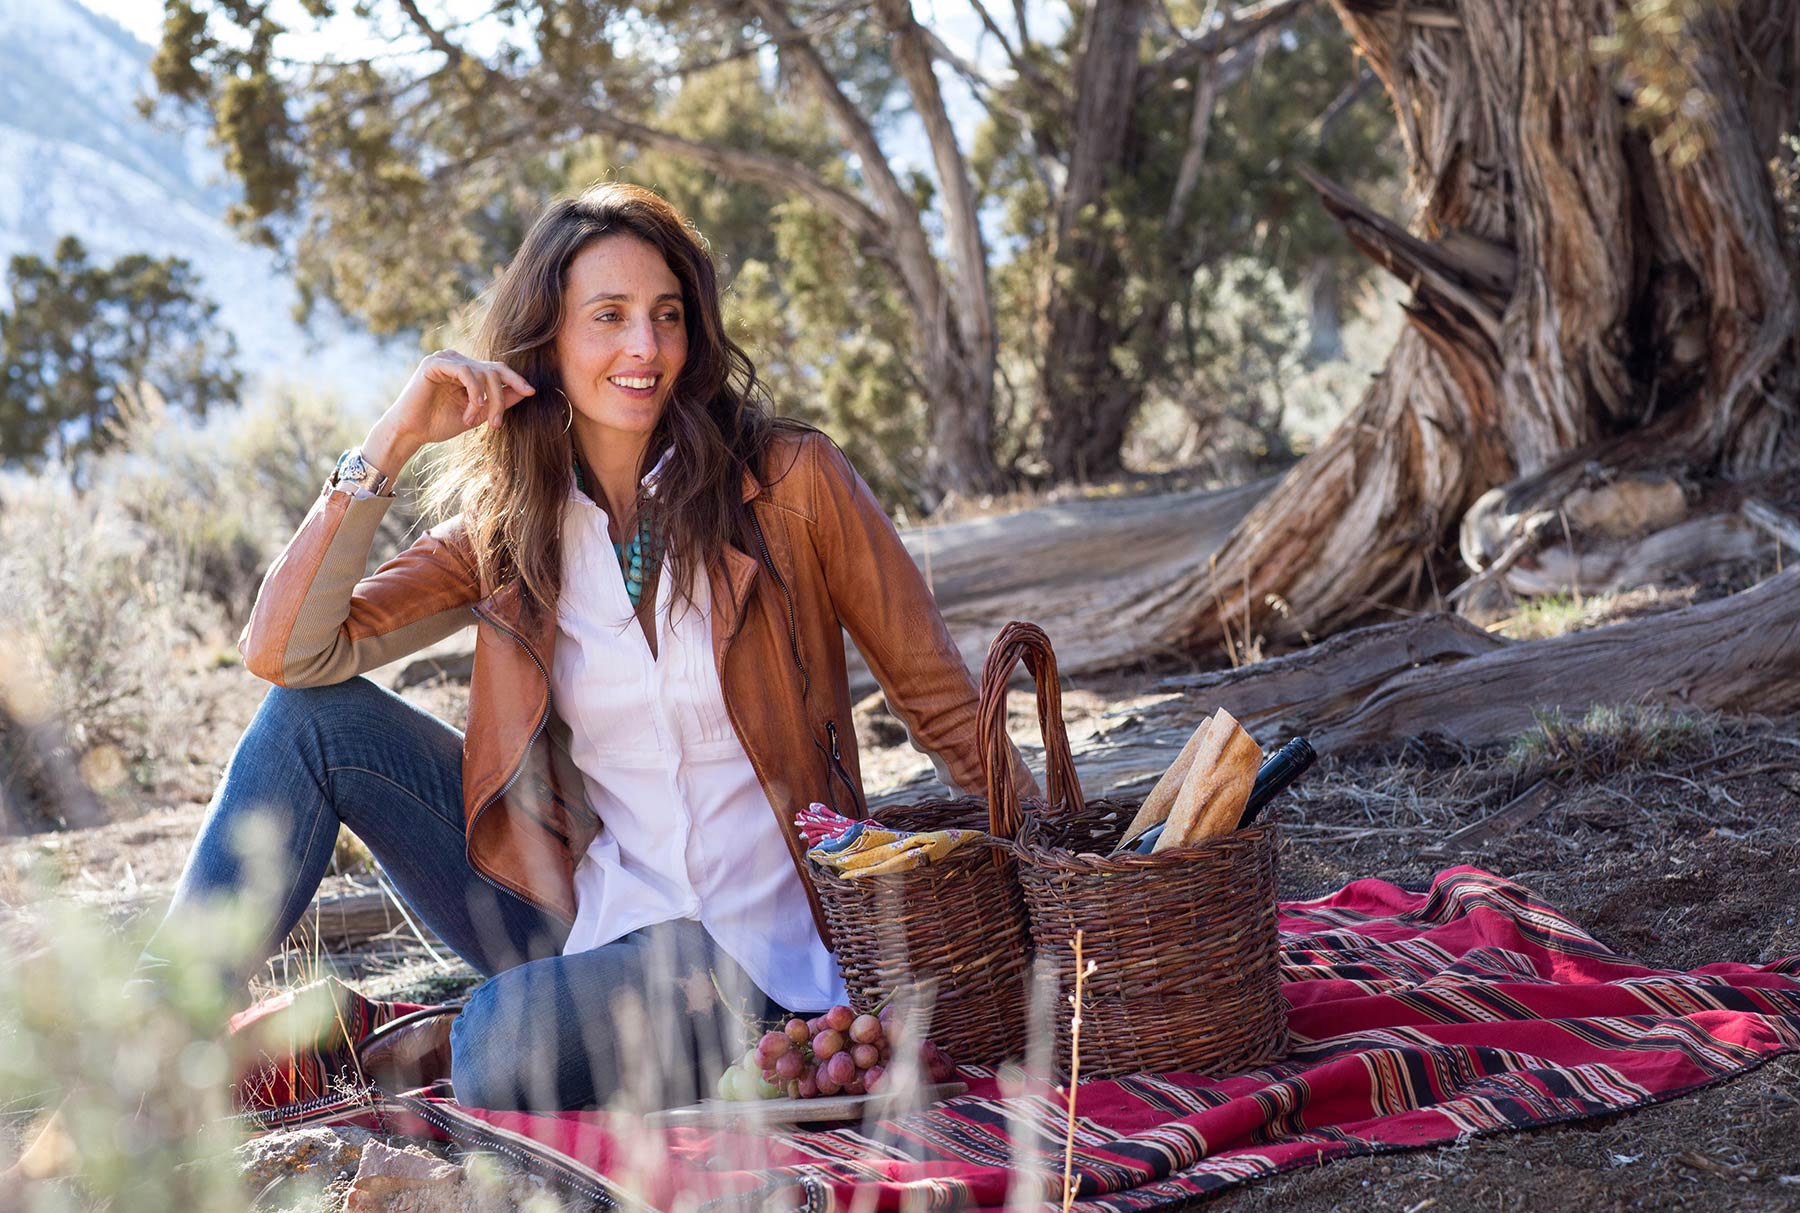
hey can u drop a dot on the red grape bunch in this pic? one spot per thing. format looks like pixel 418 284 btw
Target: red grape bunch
pixel 839 1052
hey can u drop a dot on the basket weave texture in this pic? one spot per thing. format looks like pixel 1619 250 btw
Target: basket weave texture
pixel 957 925
pixel 1184 944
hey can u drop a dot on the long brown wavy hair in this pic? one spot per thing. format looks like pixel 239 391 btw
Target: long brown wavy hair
pixel 511 484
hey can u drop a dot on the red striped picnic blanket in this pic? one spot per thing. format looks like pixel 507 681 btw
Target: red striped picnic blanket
pixel 1418 1018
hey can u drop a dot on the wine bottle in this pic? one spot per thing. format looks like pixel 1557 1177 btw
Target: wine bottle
pixel 1278 770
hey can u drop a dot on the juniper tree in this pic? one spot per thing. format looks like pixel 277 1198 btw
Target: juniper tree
pixel 78 339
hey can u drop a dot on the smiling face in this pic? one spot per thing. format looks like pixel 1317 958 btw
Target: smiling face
pixel 622 343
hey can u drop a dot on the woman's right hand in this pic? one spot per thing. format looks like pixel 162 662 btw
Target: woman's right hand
pixel 450 394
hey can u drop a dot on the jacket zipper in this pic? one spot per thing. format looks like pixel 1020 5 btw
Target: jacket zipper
pixel 837 763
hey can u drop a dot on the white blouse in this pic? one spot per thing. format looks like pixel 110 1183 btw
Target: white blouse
pixel 687 831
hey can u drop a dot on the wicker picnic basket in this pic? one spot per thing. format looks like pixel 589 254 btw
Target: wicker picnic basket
pixel 955 930
pixel 1184 944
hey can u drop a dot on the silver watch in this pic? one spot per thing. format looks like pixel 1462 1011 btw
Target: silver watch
pixel 354 472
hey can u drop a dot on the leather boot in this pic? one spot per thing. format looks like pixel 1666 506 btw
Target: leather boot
pixel 410 1052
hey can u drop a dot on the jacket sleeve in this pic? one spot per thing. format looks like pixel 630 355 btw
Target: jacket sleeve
pixel 318 620
pixel 888 609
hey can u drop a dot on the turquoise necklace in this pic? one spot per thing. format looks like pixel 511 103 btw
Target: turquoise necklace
pixel 637 555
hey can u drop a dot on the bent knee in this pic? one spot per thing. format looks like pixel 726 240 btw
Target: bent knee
pixel 481 1076
pixel 518 1046
pixel 297 705
pixel 294 711
pixel 501 1055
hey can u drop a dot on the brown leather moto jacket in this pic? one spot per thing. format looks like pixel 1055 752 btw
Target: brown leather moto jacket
pixel 318 620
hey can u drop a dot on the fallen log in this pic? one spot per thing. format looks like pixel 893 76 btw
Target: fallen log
pixel 1069 568
pixel 1735 654
pixel 1682 552
pixel 1784 529
pixel 349 922
pixel 1336 674
pixel 1440 675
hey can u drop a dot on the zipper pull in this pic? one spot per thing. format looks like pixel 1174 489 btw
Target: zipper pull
pixel 831 732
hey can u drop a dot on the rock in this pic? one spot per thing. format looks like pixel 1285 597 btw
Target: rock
pixel 405 1181
pixel 318 1154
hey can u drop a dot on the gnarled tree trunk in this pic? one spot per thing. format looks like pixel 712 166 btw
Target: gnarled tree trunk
pixel 1577 299
pixel 1090 402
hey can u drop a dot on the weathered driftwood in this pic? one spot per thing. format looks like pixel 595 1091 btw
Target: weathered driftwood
pixel 1517 813
pixel 1334 676
pixel 1785 529
pixel 1681 552
pixel 1735 654
pixel 349 922
pixel 1068 567
pixel 1441 675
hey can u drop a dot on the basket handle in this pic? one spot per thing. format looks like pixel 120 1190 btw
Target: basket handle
pixel 1025 641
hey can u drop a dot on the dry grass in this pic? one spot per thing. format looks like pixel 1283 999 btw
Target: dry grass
pixel 1609 739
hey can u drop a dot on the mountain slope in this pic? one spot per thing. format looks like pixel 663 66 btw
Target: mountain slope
pixel 76 158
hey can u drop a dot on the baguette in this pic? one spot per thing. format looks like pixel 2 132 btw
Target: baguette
pixel 1214 794
pixel 1156 806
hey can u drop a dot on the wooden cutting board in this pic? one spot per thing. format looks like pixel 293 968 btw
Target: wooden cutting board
pixel 777 1113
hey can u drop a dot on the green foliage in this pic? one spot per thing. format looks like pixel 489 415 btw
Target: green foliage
pixel 138 1071
pixel 81 340
pixel 401 182
pixel 834 339
pixel 1237 355
pixel 1250 232
pixel 1609 739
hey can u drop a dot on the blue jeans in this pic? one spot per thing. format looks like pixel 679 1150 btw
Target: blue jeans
pixel 649 1019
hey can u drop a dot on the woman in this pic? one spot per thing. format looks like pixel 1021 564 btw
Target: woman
pixel 658 574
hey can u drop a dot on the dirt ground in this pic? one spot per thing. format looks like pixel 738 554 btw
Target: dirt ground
pixel 1679 854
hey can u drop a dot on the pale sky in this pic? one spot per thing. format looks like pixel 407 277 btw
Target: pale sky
pixel 141 17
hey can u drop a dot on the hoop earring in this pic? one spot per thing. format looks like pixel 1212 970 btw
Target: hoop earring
pixel 569 411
